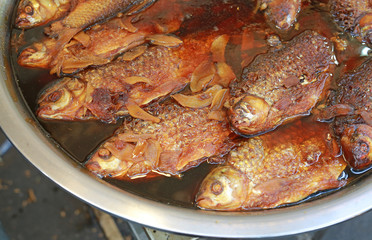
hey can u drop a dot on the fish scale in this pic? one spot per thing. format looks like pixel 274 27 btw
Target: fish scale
pixel 186 138
pixel 90 11
pixel 280 167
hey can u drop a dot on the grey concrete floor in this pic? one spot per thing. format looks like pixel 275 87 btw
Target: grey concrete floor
pixel 34 207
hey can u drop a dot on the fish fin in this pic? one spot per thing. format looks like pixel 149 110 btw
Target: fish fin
pixel 140 7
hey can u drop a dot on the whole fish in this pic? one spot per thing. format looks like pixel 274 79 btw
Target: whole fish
pixel 102 43
pixel 354 16
pixel 182 139
pixel 104 92
pixel 281 84
pixel 280 167
pixel 281 13
pixel 32 13
pixel 87 13
pixel 351 104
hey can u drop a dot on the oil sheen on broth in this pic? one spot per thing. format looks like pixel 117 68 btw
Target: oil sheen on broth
pixel 79 138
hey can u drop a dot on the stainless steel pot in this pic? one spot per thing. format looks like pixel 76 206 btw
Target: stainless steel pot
pixel 19 125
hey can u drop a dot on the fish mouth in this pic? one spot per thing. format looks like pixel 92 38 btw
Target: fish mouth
pixel 24 57
pixel 248 116
pixel 203 202
pixel 23 23
pixel 31 57
pixel 356 142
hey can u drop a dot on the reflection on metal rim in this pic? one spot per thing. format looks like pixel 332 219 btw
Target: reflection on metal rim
pixel 26 135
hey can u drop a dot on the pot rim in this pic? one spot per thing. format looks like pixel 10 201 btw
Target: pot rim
pixel 25 133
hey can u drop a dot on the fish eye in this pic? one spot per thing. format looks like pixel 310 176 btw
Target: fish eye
pixel 217 187
pixel 29 10
pixel 55 96
pixel 104 153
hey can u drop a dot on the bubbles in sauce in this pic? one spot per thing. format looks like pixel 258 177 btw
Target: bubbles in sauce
pixel 249 34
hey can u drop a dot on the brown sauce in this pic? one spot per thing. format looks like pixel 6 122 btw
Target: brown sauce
pixel 79 138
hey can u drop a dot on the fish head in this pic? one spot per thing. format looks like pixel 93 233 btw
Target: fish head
pixel 109 159
pixel 36 55
pixel 282 14
pixel 356 142
pixel 32 13
pixel 365 26
pixel 64 100
pixel 248 115
pixel 224 188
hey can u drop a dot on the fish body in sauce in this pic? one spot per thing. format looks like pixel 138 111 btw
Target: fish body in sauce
pixel 280 13
pixel 354 16
pixel 351 105
pixel 87 13
pixel 183 138
pixel 281 84
pixel 280 167
pixel 102 43
pixel 32 13
pixel 104 92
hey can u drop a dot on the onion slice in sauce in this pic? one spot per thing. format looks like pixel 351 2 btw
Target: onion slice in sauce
pixel 200 100
pixel 202 75
pixel 218 48
pixel 137 112
pixel 137 79
pixel 164 40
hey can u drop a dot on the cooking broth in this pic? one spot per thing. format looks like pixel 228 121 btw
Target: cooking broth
pixel 80 138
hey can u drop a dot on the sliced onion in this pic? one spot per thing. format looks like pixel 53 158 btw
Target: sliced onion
pixel 120 149
pixel 137 112
pixel 218 115
pixel 140 148
pixel 152 153
pixel 132 137
pixel 159 91
pixel 164 40
pixel 137 79
pixel 70 65
pixel 219 99
pixel 199 100
pixel 134 53
pixel 127 25
pixel 367 117
pixel 83 38
pixel 202 75
pixel 218 48
pixel 225 73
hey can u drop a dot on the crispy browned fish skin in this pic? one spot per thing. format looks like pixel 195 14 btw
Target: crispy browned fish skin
pixel 102 92
pixel 32 13
pixel 186 137
pixel 281 13
pixel 280 167
pixel 354 16
pixel 104 41
pixel 87 13
pixel 351 105
pixel 281 84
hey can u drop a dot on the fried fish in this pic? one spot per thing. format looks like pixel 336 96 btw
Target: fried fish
pixel 280 167
pixel 183 138
pixel 351 104
pixel 102 43
pixel 281 84
pixel 87 13
pixel 32 13
pixel 354 16
pixel 281 13
pixel 105 92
